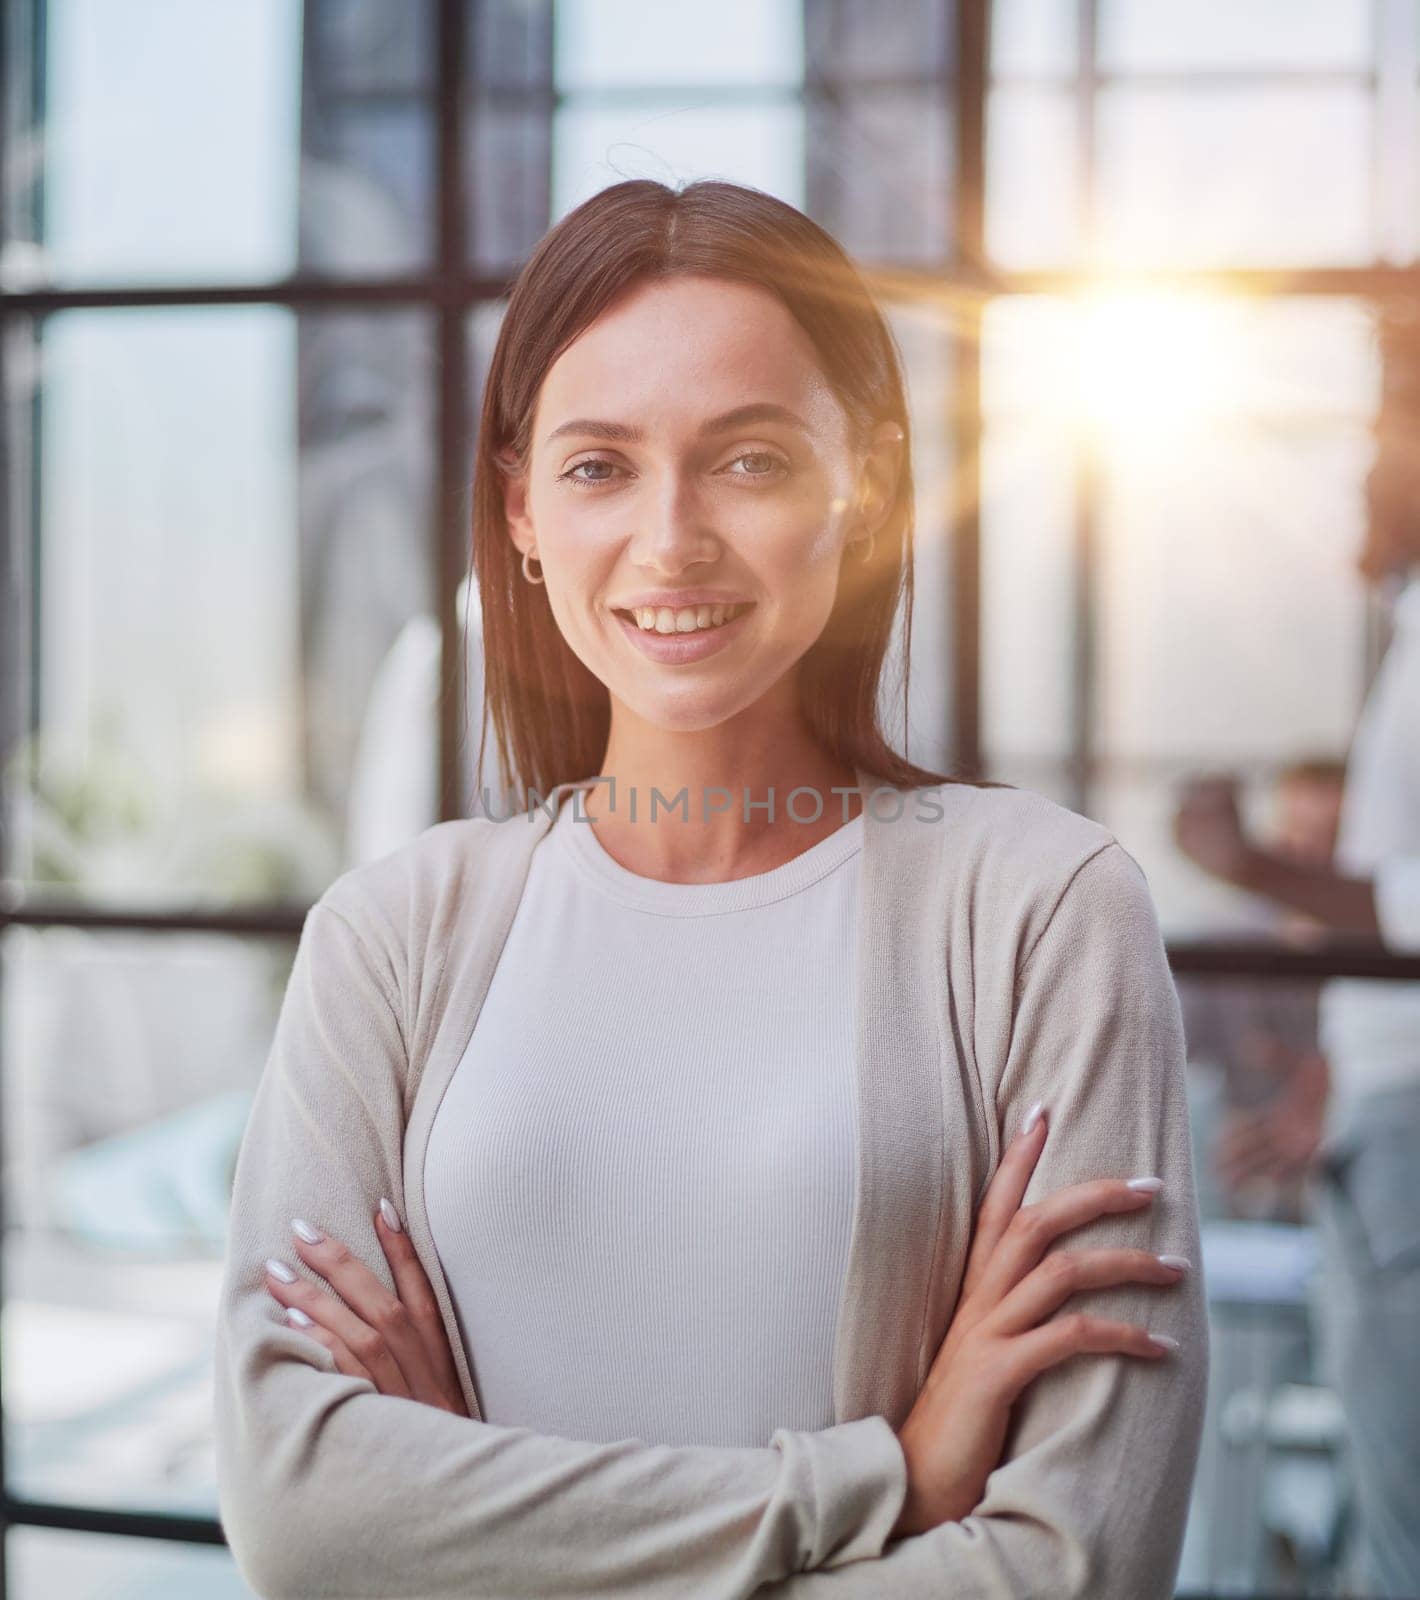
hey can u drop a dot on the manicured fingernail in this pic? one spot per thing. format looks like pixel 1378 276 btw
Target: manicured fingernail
pixel 1032 1117
pixel 1146 1185
pixel 1164 1340
pixel 279 1269
pixel 1182 1263
pixel 296 1315
pixel 305 1231
pixel 391 1216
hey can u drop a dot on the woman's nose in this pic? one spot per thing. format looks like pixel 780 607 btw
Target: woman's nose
pixel 674 533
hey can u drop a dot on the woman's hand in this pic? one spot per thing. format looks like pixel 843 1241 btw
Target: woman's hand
pixel 998 1340
pixel 396 1340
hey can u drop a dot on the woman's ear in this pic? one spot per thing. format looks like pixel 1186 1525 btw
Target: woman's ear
pixel 882 466
pixel 515 500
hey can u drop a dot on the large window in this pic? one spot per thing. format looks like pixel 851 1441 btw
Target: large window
pixel 251 273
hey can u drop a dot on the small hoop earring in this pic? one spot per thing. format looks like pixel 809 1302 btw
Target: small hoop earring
pixel 867 544
pixel 529 556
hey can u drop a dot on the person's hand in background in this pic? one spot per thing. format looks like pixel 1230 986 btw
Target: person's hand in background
pixel 1279 1139
pixel 1208 828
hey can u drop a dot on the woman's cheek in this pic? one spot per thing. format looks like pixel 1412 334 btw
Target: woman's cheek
pixel 822 540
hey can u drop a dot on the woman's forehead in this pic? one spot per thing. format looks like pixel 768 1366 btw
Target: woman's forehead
pixel 665 361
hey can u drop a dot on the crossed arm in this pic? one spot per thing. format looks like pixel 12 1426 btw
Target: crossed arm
pixel 329 1487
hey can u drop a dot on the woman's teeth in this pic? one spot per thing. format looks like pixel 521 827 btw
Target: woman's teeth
pixel 662 619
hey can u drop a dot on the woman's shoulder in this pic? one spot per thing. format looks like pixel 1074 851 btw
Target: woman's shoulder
pixel 1008 853
pixel 1008 829
pixel 426 882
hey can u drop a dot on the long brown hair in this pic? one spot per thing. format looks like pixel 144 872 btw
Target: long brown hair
pixel 551 715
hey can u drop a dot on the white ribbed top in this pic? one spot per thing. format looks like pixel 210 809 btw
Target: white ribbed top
pixel 640 1180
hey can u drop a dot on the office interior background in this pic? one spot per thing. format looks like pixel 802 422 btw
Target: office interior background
pixel 1149 264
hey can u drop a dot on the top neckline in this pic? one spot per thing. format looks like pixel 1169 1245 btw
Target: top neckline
pixel 577 841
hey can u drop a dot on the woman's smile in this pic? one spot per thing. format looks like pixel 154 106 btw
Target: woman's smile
pixel 679 645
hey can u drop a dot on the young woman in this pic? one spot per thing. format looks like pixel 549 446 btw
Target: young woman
pixel 755 1164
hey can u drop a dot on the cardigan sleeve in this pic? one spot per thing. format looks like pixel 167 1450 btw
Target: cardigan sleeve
pixel 328 1487
pixel 1092 1494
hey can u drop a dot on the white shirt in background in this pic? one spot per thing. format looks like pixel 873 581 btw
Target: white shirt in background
pixel 1370 1030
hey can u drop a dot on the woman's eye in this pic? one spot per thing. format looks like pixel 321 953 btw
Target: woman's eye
pixel 770 466
pixel 571 473
pixel 774 464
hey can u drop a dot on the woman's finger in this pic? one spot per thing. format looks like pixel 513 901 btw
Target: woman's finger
pixel 374 1304
pixel 1041 1293
pixel 1004 1194
pixel 412 1286
pixel 1035 1227
pixel 363 1342
pixel 1062 1337
pixel 344 1361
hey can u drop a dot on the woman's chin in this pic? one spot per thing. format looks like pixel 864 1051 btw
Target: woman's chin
pixel 696 709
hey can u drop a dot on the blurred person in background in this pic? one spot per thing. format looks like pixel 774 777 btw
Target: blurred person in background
pixel 1309 796
pixel 1262 1035
pixel 1355 1125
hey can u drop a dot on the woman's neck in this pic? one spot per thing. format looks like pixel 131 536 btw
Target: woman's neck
pixel 691 816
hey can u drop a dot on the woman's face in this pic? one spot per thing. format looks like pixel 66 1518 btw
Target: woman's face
pixel 650 483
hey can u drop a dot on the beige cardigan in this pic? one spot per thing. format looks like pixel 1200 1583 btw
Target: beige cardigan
pixel 1008 951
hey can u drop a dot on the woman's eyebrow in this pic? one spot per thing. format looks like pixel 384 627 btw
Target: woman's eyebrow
pixel 739 417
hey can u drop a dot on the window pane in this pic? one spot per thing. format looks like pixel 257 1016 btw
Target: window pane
pixel 854 41
pixel 1030 387
pixel 1261 176
pixel 880 148
pixel 1397 137
pixel 508 144
pixel 1027 595
pixel 364 201
pixel 130 1061
pixel 616 43
pixel 1185 35
pixel 1199 652
pixel 880 171
pixel 869 157
pixel 508 160
pixel 672 141
pixel 1231 439
pixel 180 143
pixel 1032 186
pixel 1145 362
pixel 512 44
pixel 371 46
pixel 1034 36
pixel 44 1562
pixel 230 510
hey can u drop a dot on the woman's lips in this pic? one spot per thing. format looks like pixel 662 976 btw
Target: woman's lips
pixel 676 648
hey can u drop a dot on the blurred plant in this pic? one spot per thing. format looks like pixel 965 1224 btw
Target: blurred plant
pixel 110 826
